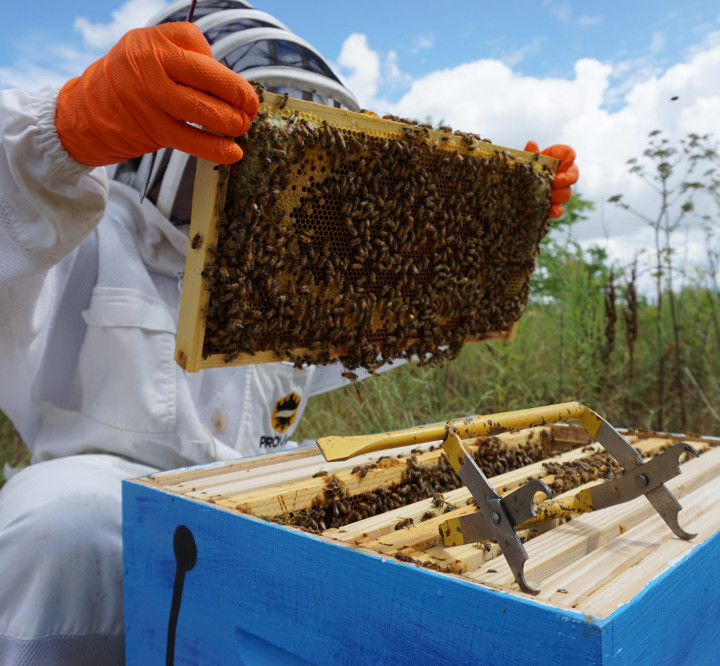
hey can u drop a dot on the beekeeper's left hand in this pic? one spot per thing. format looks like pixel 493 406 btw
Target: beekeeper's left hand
pixel 565 176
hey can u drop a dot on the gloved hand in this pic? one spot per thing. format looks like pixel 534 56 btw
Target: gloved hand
pixel 565 176
pixel 134 100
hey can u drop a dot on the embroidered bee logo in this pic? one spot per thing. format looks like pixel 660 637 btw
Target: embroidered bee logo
pixel 285 412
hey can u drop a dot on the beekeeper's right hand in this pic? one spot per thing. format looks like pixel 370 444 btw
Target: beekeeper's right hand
pixel 141 96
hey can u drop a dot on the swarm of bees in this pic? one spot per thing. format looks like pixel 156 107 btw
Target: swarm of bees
pixel 340 244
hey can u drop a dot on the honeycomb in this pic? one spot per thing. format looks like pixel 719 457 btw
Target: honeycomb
pixel 363 240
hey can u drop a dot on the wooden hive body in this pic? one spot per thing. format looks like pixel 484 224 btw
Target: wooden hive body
pixel 616 585
pixel 346 235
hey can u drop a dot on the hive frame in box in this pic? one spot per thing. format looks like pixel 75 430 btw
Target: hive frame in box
pixel 263 591
pixel 209 202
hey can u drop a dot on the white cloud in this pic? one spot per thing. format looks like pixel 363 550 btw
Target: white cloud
pixel 365 72
pixel 422 43
pixel 517 56
pixel 30 77
pixel 362 67
pixel 49 66
pixel 626 74
pixel 710 40
pixel 562 11
pixel 586 21
pixel 657 42
pixel 392 72
pixel 132 14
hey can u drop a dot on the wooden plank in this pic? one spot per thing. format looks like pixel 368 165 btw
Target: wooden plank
pixel 376 526
pixel 272 499
pixel 172 478
pixel 299 495
pixel 554 552
pixel 575 584
pixel 650 552
pixel 208 201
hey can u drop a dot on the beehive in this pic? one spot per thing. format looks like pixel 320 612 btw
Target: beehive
pixel 616 585
pixel 344 235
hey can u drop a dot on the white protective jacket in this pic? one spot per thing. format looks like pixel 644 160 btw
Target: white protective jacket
pixel 90 283
pixel 89 296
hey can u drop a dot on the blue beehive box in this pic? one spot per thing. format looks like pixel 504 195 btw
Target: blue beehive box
pixel 208 584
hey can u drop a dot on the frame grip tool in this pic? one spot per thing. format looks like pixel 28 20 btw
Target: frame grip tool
pixel 498 518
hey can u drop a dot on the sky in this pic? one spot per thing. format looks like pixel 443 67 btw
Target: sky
pixel 598 76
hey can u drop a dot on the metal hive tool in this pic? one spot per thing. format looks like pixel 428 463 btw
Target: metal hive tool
pixel 344 235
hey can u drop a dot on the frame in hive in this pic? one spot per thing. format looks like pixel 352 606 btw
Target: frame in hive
pixel 393 505
pixel 347 236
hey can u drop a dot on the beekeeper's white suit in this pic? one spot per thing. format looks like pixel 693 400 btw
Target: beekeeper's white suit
pixel 90 284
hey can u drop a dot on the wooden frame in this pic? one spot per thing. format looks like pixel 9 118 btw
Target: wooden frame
pixel 209 202
pixel 617 586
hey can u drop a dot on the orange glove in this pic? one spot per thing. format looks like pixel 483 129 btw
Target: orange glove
pixel 135 100
pixel 565 176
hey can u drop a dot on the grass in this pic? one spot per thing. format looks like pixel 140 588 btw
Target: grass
pixel 528 372
pixel 560 354
pixel 12 449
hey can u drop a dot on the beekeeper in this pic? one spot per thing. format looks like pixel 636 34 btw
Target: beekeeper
pixel 90 281
pixel 89 297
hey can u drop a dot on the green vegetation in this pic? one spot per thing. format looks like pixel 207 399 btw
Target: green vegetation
pixel 647 360
pixel 12 450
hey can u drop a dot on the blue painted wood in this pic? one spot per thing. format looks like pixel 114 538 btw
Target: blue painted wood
pixel 260 593
pixel 675 619
pixel 316 600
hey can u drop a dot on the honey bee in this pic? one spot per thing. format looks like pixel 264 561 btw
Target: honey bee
pixel 404 558
pixel 406 522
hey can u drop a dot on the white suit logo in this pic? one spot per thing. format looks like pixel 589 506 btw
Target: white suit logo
pixel 285 411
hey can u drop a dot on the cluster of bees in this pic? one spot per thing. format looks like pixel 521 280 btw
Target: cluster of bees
pixel 363 247
pixel 336 508
pixel 600 465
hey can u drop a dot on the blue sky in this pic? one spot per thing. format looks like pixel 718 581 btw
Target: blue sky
pixel 537 38
pixel 599 76
pixel 542 38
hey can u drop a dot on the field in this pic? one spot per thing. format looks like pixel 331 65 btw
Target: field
pixel 560 353
pixel 545 364
pixel 641 357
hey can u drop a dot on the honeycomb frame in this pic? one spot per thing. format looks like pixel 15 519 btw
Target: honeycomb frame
pixel 277 231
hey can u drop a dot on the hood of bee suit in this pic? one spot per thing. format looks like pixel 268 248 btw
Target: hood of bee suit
pixel 257 46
